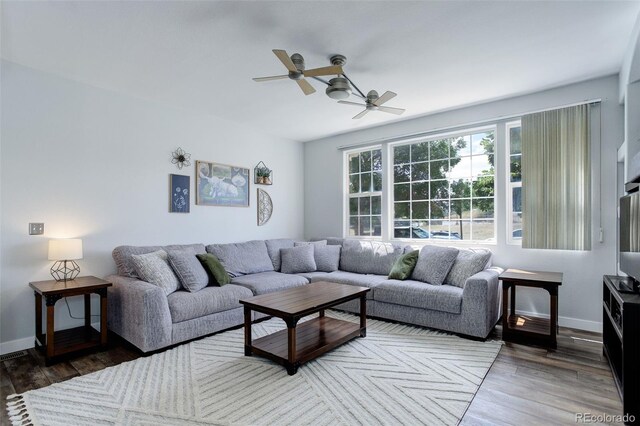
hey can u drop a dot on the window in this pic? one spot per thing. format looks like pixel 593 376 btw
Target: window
pixel 445 188
pixel 514 217
pixel 365 193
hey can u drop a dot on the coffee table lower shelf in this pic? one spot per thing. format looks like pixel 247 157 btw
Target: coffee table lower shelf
pixel 313 338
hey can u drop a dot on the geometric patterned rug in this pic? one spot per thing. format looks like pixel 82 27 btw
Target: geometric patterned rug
pixel 398 374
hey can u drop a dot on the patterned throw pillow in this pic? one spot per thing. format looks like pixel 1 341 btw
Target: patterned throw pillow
pixel 467 263
pixel 327 258
pixel 404 266
pixel 297 259
pixel 214 268
pixel 434 263
pixel 154 268
pixel 189 270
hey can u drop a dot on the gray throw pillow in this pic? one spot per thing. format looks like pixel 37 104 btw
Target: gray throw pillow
pixel 327 258
pixel 468 263
pixel 154 268
pixel 297 259
pixel 434 263
pixel 309 243
pixel 189 270
pixel 273 248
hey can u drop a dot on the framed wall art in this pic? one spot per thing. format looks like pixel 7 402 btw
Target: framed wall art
pixel 221 185
pixel 179 193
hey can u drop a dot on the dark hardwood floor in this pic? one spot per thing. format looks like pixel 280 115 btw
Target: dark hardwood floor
pixel 525 385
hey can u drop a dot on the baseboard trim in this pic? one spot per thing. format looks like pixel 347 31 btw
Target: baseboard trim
pixel 16 345
pixel 576 323
pixel 26 343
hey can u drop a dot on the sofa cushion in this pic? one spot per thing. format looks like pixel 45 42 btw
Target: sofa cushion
pixel 297 259
pixel 444 298
pixel 403 267
pixel 369 257
pixel 122 255
pixel 154 268
pixel 315 276
pixel 310 243
pixel 240 259
pixel 189 270
pixel 273 248
pixel 468 262
pixel 434 263
pixel 327 258
pixel 351 278
pixel 185 305
pixel 268 282
pixel 214 268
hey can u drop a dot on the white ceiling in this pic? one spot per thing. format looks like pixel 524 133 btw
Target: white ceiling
pixel 435 55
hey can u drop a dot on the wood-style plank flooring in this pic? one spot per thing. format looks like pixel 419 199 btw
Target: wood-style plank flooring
pixel 525 385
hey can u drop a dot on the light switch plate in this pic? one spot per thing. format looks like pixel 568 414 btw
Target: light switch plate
pixel 36 228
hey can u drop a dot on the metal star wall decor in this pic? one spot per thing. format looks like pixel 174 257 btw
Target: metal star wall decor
pixel 180 158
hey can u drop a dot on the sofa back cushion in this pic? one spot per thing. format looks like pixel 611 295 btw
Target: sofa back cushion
pixel 468 262
pixel 245 258
pixel 273 248
pixel 122 255
pixel 434 263
pixel 369 257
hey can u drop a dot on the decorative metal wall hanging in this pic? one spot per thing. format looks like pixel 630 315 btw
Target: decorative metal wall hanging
pixel 179 193
pixel 265 207
pixel 222 185
pixel 180 158
pixel 262 174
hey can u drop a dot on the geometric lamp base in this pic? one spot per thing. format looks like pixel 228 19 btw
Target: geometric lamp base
pixel 65 270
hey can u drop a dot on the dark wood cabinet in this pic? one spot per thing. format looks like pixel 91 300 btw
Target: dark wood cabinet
pixel 621 342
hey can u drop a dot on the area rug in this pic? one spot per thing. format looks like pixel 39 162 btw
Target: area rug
pixel 398 374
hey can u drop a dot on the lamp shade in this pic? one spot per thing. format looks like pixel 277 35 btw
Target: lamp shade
pixel 68 249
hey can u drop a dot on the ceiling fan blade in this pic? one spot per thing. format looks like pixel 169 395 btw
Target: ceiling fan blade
pixel 285 59
pixel 316 72
pixel 384 98
pixel 350 103
pixel 305 86
pixel 362 114
pixel 275 77
pixel 396 111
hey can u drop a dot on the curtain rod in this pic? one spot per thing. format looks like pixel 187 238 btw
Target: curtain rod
pixel 461 126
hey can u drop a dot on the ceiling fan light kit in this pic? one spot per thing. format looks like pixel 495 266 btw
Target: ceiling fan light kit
pixel 338 87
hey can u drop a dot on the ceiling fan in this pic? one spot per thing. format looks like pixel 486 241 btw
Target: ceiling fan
pixel 295 66
pixel 374 103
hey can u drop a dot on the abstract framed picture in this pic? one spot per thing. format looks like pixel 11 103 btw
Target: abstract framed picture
pixel 221 185
pixel 179 193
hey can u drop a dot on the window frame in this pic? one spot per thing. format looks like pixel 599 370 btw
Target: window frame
pixel 511 185
pixel 388 168
pixel 347 196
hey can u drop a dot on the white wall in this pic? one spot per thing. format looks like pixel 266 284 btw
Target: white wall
pixel 579 300
pixel 94 164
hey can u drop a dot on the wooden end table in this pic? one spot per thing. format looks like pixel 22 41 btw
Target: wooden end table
pixel 525 328
pixel 299 344
pixel 62 342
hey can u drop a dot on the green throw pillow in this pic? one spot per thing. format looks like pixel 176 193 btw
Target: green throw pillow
pixel 403 267
pixel 214 268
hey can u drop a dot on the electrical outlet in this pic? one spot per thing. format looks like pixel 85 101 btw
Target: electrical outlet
pixel 36 228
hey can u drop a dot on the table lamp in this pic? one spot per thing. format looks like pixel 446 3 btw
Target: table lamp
pixel 65 252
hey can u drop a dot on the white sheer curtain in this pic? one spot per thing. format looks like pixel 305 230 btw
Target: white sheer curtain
pixel 556 179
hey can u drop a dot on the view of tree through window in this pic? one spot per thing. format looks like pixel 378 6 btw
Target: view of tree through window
pixel 365 189
pixel 444 188
pixel 515 181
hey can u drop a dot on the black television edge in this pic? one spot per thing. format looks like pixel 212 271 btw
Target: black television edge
pixel 630 237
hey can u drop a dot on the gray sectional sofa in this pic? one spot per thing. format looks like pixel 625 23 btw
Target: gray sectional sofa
pixel 143 314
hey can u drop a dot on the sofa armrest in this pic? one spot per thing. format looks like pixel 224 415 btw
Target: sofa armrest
pixel 481 299
pixel 139 312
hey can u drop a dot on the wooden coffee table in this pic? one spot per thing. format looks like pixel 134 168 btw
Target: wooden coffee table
pixel 301 343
